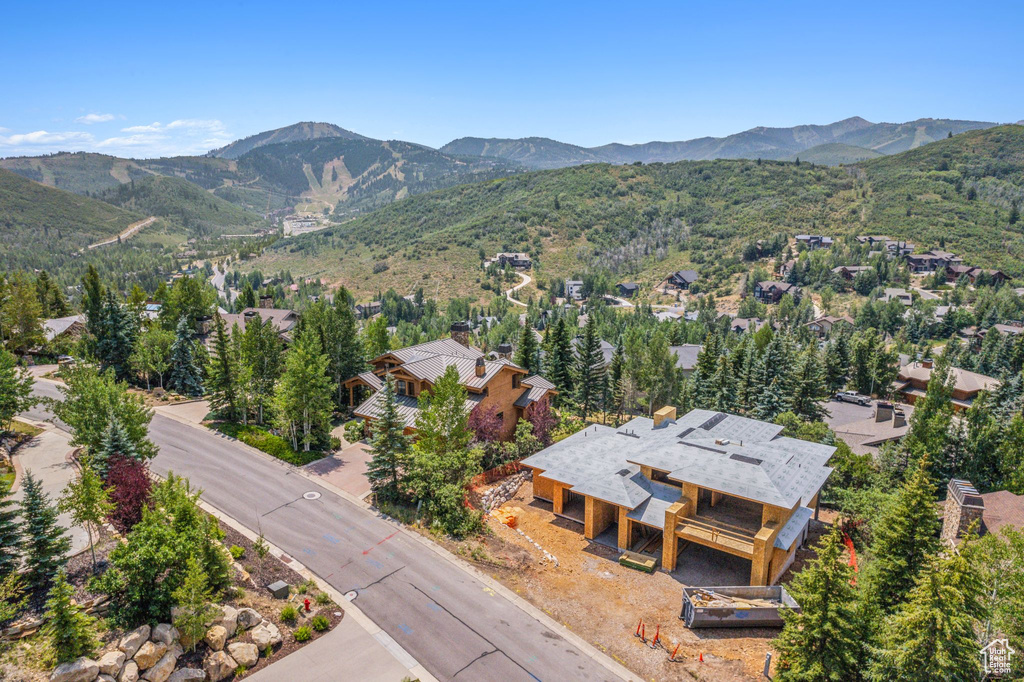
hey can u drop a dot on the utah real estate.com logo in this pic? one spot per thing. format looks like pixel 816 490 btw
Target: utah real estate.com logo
pixel 996 657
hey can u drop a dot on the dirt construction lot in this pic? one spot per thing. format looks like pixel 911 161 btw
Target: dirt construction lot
pixel 602 601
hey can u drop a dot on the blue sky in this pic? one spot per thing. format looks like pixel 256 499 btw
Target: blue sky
pixel 145 79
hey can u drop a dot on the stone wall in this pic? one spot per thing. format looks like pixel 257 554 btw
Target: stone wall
pixel 504 491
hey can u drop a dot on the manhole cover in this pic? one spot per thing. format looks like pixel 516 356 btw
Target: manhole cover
pixel 311 495
pixel 350 595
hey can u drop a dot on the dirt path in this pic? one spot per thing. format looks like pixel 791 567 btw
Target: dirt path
pixel 131 231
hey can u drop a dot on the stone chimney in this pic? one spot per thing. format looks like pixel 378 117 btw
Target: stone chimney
pixel 883 411
pixel 504 351
pixel 964 506
pixel 266 301
pixel 460 333
pixel 664 416
pixel 203 324
pixel 899 418
pixel 481 367
pixel 926 363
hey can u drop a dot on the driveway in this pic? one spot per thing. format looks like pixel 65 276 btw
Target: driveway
pixel 524 281
pixel 842 413
pixel 345 469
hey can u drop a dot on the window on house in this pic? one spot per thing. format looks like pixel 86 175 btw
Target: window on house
pixel 501 417
pixel 402 387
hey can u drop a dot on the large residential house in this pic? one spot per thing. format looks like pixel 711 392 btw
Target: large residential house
pixel 813 242
pixel 367 310
pixel 849 272
pixel 658 486
pixel 627 289
pixel 71 327
pixel 682 279
pixel 897 294
pixel 516 260
pixel 894 248
pixel 686 357
pixel 955 272
pixel 772 292
pixel 574 289
pixel 912 383
pixel 932 261
pixel 283 320
pixel 489 383
pixel 824 324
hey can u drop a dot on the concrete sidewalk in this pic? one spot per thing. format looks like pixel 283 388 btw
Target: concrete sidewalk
pixel 193 411
pixel 47 457
pixel 347 652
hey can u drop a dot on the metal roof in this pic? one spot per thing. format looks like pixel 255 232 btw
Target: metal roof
pixel 408 407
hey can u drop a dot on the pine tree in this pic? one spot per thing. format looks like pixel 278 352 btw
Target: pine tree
pixel 904 538
pixel 185 376
pixel 88 503
pixel 92 300
pixel 808 386
pixel 822 641
pixel 246 297
pixel 194 598
pixel 222 373
pixel 261 355
pixel 115 337
pixel 705 369
pixel 617 381
pixel 336 328
pixel 560 361
pixel 10 535
pixel 116 443
pixel 772 402
pixel 932 636
pixel 723 387
pixel 45 545
pixel 389 447
pixel 527 355
pixel 70 632
pixel 836 369
pixel 589 369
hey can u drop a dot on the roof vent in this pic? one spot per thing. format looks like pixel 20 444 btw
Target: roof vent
pixel 622 472
pixel 746 460
pixel 721 441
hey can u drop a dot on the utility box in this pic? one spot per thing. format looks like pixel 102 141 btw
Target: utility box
pixel 279 589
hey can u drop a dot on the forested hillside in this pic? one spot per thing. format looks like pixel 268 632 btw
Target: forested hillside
pixel 642 221
pixel 296 132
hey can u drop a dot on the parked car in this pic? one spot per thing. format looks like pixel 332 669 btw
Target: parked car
pixel 853 397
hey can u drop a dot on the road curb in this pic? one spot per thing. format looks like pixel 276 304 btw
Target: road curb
pixel 534 612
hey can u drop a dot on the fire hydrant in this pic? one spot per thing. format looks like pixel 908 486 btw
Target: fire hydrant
pixel 305 603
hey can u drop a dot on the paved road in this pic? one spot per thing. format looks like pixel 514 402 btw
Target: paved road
pixel 525 280
pixel 127 234
pixel 452 623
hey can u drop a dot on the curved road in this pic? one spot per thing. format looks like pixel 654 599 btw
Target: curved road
pixel 455 625
pixel 509 292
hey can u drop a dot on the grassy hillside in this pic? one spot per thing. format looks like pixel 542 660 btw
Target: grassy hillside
pixel 42 227
pixel 80 172
pixel 294 133
pixel 835 153
pixel 534 152
pixel 183 202
pixel 643 221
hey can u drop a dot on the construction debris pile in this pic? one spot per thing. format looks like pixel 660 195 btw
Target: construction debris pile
pixel 709 598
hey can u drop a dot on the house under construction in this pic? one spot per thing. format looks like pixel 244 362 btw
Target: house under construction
pixel 723 481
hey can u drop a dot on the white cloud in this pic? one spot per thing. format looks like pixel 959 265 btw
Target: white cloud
pixel 185 136
pixel 89 119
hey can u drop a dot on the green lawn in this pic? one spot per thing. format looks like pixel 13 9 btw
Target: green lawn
pixel 263 440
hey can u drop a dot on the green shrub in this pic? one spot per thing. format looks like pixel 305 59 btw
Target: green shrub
pixel 323 598
pixel 335 443
pixel 263 440
pixel 320 623
pixel 303 634
pixel 354 431
pixel 289 614
pixel 236 552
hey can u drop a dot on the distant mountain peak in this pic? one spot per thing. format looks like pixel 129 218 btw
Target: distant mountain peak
pixel 297 132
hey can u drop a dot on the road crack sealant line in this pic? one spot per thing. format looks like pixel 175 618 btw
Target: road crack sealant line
pixel 524 605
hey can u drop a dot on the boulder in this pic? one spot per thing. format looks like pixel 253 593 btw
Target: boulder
pixel 164 633
pixel 216 637
pixel 129 673
pixel 162 669
pixel 149 653
pixel 219 665
pixel 78 670
pixel 244 653
pixel 228 619
pixel 249 618
pixel 187 675
pixel 176 650
pixel 105 678
pixel 111 663
pixel 266 634
pixel 131 642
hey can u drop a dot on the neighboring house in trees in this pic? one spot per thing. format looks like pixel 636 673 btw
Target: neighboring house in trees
pixel 686 357
pixel 283 320
pixel 489 383
pixel 682 279
pixel 912 383
pixel 516 260
pixel 901 295
pixel 932 261
pixel 955 272
pixel 366 310
pixel 848 272
pixel 772 291
pixel 64 328
pixel 824 324
pixel 574 289
pixel 812 242
pixel 627 289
